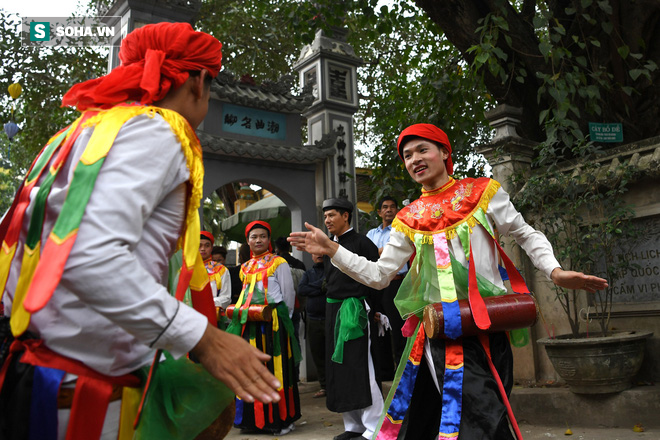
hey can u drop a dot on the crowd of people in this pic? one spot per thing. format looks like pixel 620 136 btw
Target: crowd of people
pixel 115 301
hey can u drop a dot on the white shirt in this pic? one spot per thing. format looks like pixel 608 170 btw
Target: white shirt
pixel 222 298
pixel 501 213
pixel 380 236
pixel 111 309
pixel 280 287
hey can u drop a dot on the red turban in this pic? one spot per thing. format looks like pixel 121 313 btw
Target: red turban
pixel 430 132
pixel 207 235
pixel 155 59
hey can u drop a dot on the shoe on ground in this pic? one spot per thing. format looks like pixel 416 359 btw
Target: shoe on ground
pixel 320 393
pixel 285 431
pixel 348 435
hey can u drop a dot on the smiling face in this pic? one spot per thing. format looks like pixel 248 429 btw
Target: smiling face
pixel 336 222
pixel 425 162
pixel 258 240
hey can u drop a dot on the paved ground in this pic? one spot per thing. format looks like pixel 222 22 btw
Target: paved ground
pixel 317 423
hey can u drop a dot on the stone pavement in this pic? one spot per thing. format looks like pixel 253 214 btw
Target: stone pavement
pixel 317 423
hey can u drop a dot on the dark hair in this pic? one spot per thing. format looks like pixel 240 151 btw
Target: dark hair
pixel 413 136
pixel 258 226
pixel 282 244
pixel 243 253
pixel 341 211
pixel 385 199
pixel 207 81
pixel 219 250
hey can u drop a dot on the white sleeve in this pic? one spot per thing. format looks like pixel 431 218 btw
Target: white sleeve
pixel 376 274
pixel 510 222
pixel 103 269
pixel 285 281
pixel 224 295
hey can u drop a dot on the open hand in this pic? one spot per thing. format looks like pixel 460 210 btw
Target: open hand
pixel 238 365
pixel 577 280
pixel 315 241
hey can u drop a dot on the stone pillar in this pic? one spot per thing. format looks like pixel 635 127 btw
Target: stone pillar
pixel 511 156
pixel 134 14
pixel 329 67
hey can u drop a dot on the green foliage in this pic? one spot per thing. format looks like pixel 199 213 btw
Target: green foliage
pixel 45 74
pixel 213 214
pixel 585 217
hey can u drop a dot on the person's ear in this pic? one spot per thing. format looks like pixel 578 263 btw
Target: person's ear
pixel 198 84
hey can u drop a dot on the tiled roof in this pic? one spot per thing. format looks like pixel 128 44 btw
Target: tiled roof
pixel 280 153
pixel 273 96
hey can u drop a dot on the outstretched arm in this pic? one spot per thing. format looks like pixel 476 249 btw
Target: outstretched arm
pixel 314 241
pixel 238 365
pixel 577 280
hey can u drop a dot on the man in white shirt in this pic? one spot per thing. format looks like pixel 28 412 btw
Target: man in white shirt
pixel 109 309
pixel 447 387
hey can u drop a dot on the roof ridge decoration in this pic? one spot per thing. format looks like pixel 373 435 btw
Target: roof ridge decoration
pixel 301 154
pixel 269 95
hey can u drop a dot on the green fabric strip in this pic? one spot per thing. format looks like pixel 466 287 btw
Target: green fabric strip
pixel 463 232
pixel 80 190
pixel 39 212
pixel 283 314
pixel 486 288
pixel 480 216
pixel 351 321
pixel 420 287
pixel 44 158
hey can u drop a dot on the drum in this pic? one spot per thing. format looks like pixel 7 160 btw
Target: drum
pixel 506 312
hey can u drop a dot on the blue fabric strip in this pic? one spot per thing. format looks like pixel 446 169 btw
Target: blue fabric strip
pixel 452 394
pixel 238 418
pixel 43 407
pixel 452 317
pixel 403 393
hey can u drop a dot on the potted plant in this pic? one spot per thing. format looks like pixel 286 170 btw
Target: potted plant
pixel 584 215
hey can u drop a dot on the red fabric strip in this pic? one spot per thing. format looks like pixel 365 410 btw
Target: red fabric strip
pixel 259 420
pixel 292 406
pixel 43 285
pixel 184 281
pixel 485 343
pixel 517 282
pixel 90 404
pixel 36 353
pixel 282 405
pixel 203 303
pixel 477 305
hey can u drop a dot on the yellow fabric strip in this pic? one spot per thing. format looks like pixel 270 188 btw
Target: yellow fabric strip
pixel 130 401
pixel 20 318
pixel 6 257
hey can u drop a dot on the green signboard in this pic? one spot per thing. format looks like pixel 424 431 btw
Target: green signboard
pixel 606 132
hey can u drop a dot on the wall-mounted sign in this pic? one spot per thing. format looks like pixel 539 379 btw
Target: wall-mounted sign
pixel 252 122
pixel 607 132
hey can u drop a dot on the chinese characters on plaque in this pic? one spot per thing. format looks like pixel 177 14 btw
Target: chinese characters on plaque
pixel 252 122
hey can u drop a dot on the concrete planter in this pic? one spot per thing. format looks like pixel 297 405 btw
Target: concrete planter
pixel 597 365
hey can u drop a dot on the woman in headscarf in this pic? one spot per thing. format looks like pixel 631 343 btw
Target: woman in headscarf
pixel 262 315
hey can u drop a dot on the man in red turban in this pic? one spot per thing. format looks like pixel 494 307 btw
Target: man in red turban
pixel 89 236
pixel 445 388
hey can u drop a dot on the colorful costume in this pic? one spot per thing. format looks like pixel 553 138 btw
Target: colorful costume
pixel 94 295
pixel 220 282
pixel 267 281
pixel 444 387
